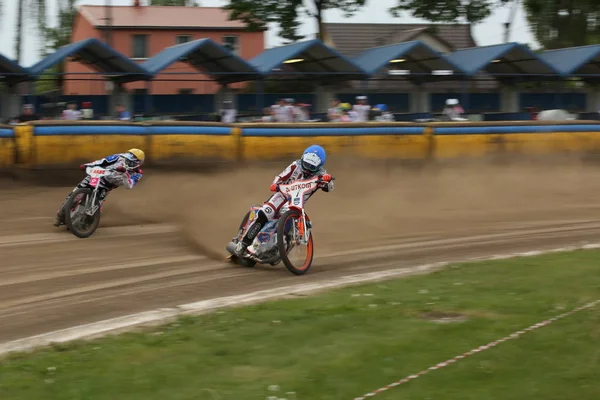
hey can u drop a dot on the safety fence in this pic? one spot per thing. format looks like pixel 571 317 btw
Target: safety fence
pixel 62 143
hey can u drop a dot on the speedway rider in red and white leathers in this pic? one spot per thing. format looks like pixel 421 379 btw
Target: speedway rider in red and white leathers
pixel 309 165
pixel 127 173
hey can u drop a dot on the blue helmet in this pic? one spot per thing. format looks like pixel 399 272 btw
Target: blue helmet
pixel 313 158
pixel 381 107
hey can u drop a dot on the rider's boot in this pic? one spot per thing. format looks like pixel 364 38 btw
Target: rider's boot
pixel 253 229
pixel 102 197
pixel 59 218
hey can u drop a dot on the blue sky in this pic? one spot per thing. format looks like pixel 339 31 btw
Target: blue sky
pixel 489 32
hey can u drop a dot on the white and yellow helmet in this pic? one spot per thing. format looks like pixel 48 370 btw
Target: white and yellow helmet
pixel 134 158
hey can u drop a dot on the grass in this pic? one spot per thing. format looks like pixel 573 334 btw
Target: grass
pixel 343 344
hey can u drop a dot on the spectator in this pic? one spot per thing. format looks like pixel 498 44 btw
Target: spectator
pixel 71 113
pixel 453 111
pixel 353 114
pixel 533 111
pixel 344 117
pixel 282 111
pixel 375 113
pixel 292 112
pixel 27 115
pixel 347 113
pixel 274 110
pixel 297 112
pixel 334 112
pixel 303 113
pixel 361 109
pixel 285 111
pixel 228 113
pixel 268 115
pixel 87 112
pixel 122 114
pixel 384 114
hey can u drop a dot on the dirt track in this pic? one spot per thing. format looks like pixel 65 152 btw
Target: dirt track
pixel 162 243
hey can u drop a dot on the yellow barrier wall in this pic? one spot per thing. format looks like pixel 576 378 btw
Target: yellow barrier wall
pixel 456 140
pixel 71 142
pixel 551 143
pixel 179 142
pixel 45 143
pixel 273 141
pixel 7 146
pixel 24 145
pixel 67 143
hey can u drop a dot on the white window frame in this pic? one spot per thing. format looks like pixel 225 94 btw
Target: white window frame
pixel 237 48
pixel 147 45
pixel 177 42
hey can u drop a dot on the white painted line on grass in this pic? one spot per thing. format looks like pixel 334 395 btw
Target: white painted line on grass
pixel 479 349
pixel 162 315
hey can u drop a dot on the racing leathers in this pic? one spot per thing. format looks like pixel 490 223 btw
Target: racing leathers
pixel 270 209
pixel 121 176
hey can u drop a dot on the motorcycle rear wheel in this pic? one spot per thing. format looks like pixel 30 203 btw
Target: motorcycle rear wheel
pixel 285 248
pixel 85 228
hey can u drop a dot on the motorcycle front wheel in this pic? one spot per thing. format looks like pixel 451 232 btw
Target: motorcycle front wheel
pixel 297 258
pixel 78 222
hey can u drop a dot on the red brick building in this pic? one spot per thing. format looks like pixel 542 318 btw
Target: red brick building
pixel 140 32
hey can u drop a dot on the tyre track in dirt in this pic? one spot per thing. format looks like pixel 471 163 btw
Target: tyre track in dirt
pixel 155 250
pixel 42 290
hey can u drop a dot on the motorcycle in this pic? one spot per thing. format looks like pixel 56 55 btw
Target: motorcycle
pixel 285 237
pixel 82 210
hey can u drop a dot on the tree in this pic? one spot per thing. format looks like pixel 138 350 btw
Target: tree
pixel 61 34
pixel 57 37
pixel 189 3
pixel 285 13
pixel 564 23
pixel 37 11
pixel 48 82
pixel 472 11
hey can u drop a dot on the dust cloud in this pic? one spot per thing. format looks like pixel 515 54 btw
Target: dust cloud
pixel 373 203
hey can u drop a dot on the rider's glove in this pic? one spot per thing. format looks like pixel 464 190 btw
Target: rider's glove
pixel 326 183
pixel 83 166
pixel 274 187
pixel 136 177
pixel 121 169
pixel 139 171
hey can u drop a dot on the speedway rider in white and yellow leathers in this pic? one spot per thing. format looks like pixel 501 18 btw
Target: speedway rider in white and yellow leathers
pixel 310 164
pixel 127 172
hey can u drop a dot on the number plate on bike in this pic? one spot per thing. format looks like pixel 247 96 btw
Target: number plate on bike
pixel 95 175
